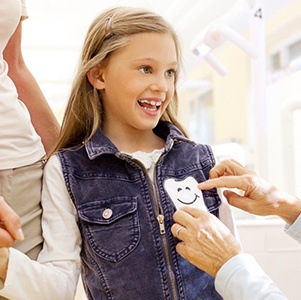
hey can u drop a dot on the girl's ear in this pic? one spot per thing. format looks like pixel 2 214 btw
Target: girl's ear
pixel 95 77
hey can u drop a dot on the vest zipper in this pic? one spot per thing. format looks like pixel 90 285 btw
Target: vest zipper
pixel 160 218
pixel 171 275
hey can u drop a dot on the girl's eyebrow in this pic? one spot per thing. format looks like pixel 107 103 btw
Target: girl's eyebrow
pixel 152 60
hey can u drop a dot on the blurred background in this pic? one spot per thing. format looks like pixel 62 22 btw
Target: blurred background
pixel 239 92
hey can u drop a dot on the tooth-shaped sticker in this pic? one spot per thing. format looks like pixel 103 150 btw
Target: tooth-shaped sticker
pixel 185 192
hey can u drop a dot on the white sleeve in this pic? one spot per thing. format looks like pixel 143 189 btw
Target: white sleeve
pixel 241 278
pixel 294 230
pixel 55 274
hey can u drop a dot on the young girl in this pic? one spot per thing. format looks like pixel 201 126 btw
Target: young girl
pixel 122 165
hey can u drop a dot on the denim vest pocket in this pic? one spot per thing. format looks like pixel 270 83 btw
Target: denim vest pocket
pixel 111 226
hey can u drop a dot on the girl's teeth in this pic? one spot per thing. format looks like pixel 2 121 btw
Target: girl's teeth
pixel 152 102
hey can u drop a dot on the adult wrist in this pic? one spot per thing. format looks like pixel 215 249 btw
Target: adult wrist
pixel 289 208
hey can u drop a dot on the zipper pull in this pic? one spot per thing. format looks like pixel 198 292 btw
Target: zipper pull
pixel 160 219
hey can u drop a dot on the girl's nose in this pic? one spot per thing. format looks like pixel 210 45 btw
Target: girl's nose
pixel 160 84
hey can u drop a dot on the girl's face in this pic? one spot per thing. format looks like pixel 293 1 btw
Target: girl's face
pixel 138 82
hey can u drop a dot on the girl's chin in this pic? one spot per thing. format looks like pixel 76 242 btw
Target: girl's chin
pixel 144 125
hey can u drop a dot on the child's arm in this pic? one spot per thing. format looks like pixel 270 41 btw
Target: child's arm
pixel 55 274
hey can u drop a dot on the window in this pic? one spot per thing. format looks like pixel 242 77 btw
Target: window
pixel 285 60
pixel 294 50
pixel 276 62
pixel 297 150
pixel 201 124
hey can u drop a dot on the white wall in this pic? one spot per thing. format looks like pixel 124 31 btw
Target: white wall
pixel 277 254
pixel 284 161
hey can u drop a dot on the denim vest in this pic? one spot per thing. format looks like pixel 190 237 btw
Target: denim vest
pixel 128 251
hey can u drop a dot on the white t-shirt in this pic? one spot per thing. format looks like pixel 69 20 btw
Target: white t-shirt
pixel 19 143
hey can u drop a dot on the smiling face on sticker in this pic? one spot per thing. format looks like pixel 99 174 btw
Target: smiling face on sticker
pixel 185 192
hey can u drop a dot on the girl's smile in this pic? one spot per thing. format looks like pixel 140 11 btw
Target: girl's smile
pixel 150 105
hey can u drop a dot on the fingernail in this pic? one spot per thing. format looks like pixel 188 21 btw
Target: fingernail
pixel 20 235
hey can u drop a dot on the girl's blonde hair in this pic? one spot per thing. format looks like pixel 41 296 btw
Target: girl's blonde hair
pixel 108 33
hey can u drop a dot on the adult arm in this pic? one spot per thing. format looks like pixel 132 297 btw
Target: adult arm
pixel 241 278
pixel 208 244
pixel 259 198
pixel 42 117
pixel 55 274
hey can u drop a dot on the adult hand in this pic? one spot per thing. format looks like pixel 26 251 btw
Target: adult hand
pixel 260 197
pixel 10 225
pixel 206 241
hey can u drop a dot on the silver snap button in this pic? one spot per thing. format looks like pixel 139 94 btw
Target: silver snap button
pixel 107 213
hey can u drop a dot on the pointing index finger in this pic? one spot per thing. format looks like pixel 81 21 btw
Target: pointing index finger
pixel 230 182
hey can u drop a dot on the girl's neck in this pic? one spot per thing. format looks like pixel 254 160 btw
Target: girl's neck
pixel 135 140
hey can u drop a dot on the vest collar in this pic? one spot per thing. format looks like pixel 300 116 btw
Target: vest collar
pixel 99 144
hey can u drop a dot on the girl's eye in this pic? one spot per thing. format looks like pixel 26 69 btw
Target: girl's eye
pixel 146 70
pixel 171 73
